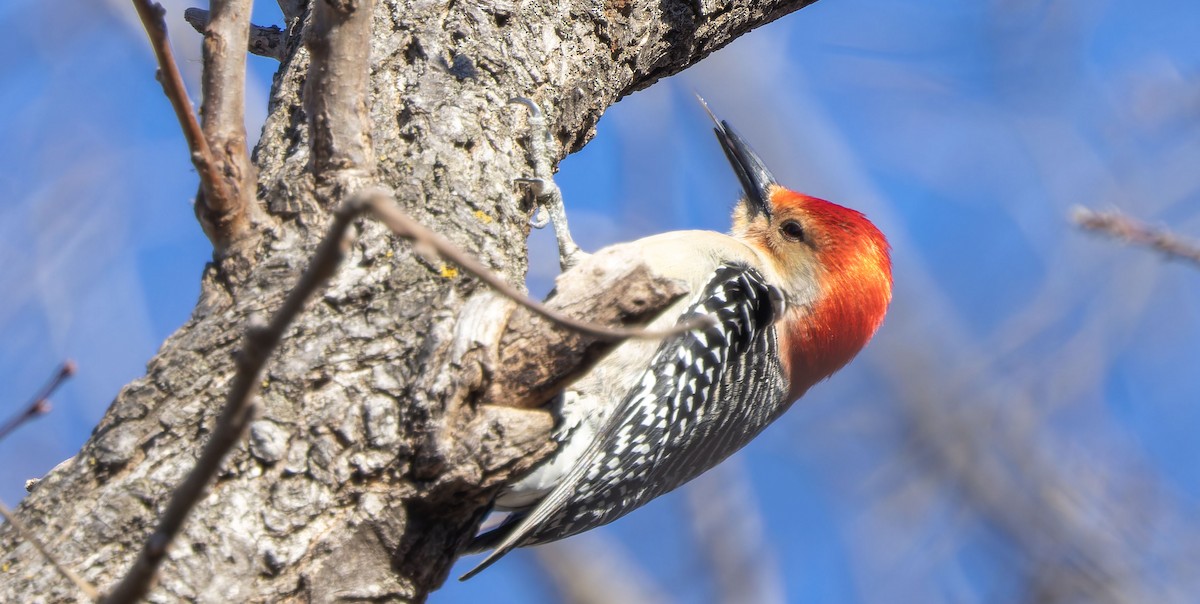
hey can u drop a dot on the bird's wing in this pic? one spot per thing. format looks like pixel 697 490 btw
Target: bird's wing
pixel 705 395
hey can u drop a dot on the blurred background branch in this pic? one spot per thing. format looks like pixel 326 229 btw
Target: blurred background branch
pixel 1119 226
pixel 733 546
pixel 595 569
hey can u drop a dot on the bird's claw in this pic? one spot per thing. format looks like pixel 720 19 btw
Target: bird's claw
pixel 540 218
pixel 534 110
pixel 536 185
pixel 548 197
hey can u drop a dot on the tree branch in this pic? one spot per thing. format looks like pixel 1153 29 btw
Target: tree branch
pixel 267 42
pixel 541 357
pixel 212 182
pixel 261 341
pixel 40 405
pixel 87 588
pixel 424 239
pixel 335 95
pixel 1119 226
pixel 239 409
pixel 592 568
pixel 728 528
pixel 225 211
pixel 1003 472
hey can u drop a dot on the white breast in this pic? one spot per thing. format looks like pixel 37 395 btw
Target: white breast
pixel 689 256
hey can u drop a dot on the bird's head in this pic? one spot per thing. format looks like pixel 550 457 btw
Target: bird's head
pixel 832 264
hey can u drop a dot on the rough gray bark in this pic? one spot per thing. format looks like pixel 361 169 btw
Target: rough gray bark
pixel 372 459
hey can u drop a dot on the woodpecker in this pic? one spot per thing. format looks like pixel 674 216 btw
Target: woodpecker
pixel 793 292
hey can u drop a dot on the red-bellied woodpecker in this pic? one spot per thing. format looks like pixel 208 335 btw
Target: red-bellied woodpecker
pixel 795 290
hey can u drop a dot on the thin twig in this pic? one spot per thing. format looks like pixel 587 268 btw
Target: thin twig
pixel 239 409
pixel 263 41
pixel 40 403
pixel 211 183
pixel 385 209
pixel 1117 225
pixel 23 531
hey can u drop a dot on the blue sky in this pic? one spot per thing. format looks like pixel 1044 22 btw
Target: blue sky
pixel 966 131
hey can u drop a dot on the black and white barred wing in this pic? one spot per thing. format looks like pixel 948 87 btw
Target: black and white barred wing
pixel 706 394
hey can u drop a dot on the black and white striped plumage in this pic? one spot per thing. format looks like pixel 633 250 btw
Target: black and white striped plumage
pixel 705 395
pixel 648 417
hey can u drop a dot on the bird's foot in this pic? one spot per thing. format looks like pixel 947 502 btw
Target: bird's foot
pixel 549 198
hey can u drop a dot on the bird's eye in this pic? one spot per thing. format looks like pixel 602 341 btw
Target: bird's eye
pixel 792 230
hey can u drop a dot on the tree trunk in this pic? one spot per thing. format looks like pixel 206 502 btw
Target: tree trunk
pixel 371 461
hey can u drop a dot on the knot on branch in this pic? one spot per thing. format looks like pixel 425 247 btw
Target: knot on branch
pixel 536 358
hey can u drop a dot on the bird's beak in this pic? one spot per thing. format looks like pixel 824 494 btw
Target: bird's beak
pixel 756 178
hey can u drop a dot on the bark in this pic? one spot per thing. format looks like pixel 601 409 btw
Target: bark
pixel 372 459
pixel 225 210
pixel 263 41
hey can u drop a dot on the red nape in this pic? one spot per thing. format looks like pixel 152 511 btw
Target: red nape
pixel 856 288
